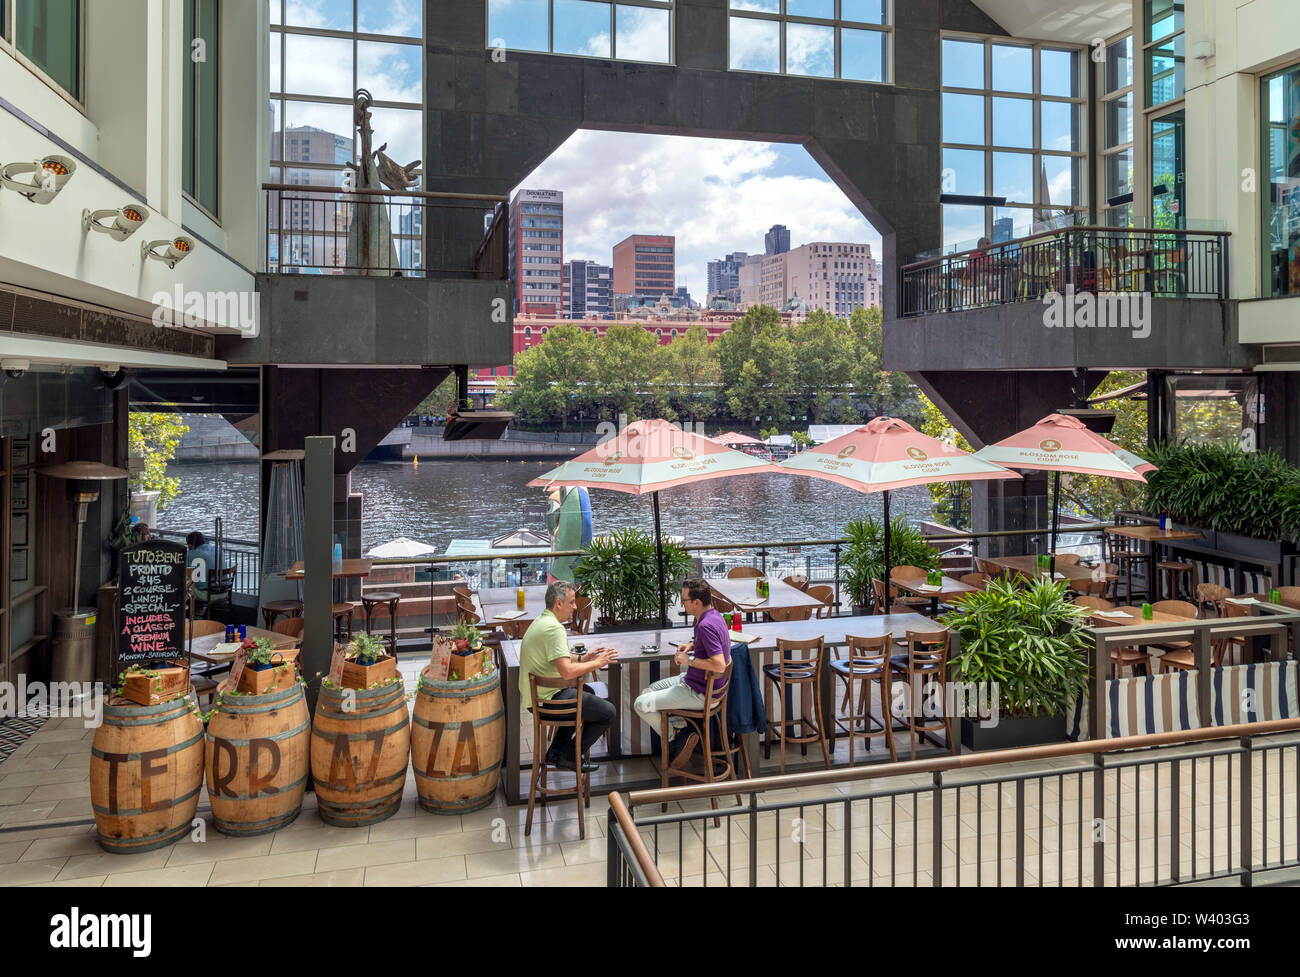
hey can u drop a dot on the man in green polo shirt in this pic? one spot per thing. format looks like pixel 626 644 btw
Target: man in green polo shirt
pixel 544 652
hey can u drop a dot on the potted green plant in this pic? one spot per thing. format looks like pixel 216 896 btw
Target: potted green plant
pixel 864 555
pixel 367 662
pixel 620 573
pixel 1027 648
pixel 266 668
pixel 469 659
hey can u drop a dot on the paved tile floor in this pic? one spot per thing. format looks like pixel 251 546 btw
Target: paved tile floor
pixel 47 835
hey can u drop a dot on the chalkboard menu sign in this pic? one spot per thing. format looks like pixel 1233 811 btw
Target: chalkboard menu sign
pixel 152 620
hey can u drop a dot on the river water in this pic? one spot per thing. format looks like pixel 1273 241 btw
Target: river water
pixel 444 500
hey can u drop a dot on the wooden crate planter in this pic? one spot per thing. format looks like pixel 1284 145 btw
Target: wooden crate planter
pixel 468 664
pixel 258 681
pixel 364 676
pixel 156 685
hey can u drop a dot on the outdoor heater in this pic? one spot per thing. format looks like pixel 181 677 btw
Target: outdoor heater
pixel 73 658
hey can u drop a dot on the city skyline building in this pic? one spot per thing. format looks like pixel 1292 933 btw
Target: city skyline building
pixel 537 250
pixel 645 264
pixel 588 289
pixel 777 239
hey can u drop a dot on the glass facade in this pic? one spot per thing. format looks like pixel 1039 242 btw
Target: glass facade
pixel 48 34
pixel 1115 133
pixel 846 39
pixel 1280 193
pixel 1013 126
pixel 635 30
pixel 202 125
pixel 1163 47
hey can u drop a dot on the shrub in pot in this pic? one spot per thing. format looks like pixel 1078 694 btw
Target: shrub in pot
pixel 864 554
pixel 468 660
pixel 1028 646
pixel 620 574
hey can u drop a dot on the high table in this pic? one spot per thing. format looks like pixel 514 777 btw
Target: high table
pixel 948 588
pixel 633 671
pixel 1027 566
pixel 781 596
pixel 1153 536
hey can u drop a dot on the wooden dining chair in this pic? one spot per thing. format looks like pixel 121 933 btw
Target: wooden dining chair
pixel 782 614
pixel 465 613
pixel 906 572
pixel 464 593
pixel 868 663
pixel 1068 559
pixel 924 662
pixel 796 581
pixel 979 581
pixel 737 572
pixel 798 671
pixel 1212 596
pixel 824 593
pixel 514 629
pixel 914 605
pixel 292 626
pixel 550 715
pixel 580 623
pixel 709 722
pixel 1289 596
pixel 200 628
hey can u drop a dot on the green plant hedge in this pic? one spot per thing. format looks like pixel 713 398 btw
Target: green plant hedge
pixel 864 555
pixel 620 574
pixel 1221 487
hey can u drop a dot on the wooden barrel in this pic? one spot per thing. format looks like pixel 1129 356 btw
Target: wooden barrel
pixel 457 743
pixel 359 751
pixel 257 760
pixel 146 768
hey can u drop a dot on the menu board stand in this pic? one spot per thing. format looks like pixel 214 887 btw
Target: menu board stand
pixel 152 613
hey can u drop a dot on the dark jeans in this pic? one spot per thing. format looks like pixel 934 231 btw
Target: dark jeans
pixel 597 716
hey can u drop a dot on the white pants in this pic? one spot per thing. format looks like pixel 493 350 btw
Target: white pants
pixel 667 693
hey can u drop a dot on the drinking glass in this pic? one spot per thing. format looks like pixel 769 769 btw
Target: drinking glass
pixel 1146 611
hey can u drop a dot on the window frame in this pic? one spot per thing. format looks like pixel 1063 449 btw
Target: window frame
pixel 838 24
pixel 9 45
pixel 191 198
pixel 1105 152
pixel 1266 181
pixel 668 5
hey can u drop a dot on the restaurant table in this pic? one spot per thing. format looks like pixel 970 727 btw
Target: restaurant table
pixel 634 671
pixel 1028 566
pixel 1154 536
pixel 781 596
pixel 343 569
pixel 501 600
pixel 948 588
pixel 204 643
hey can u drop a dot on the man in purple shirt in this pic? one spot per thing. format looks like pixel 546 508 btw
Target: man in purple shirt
pixel 710 651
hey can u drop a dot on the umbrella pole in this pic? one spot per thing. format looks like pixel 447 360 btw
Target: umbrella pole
pixel 1056 520
pixel 659 555
pixel 888 601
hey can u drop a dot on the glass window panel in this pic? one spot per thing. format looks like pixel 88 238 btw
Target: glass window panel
pixel 863 11
pixel 1117 170
pixel 1165 72
pixel 1013 177
pixel 1118 71
pixel 273 10
pixel 519 24
pixel 49 33
pixel 391 72
pixel 1163 17
pixel 810 50
pixel 963 226
pixel 581 27
pixel 1013 122
pixel 206 152
pixel 1064 180
pixel 402 18
pixel 1280 107
pixel 863 55
pixel 1061 126
pixel 1117 121
pixel 755 44
pixel 963 64
pixel 963 118
pixel 963 171
pixel 318 65
pixel 643 34
pixel 333 144
pixel 273 46
pixel 1168 170
pixel 765 6
pixel 1058 73
pixel 821 9
pixel 332 14
pixel 187 105
pixel 1013 68
pixel 1121 216
pixel 403 130
pixel 273 110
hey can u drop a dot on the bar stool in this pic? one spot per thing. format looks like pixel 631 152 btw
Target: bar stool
pixel 273 609
pixel 1124 557
pixel 342 611
pixel 716 751
pixel 786 676
pixel 1175 573
pixel 549 716
pixel 926 658
pixel 389 599
pixel 866 664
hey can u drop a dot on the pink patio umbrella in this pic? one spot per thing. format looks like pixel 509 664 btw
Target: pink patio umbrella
pixel 733 438
pixel 647 457
pixel 1059 443
pixel 889 454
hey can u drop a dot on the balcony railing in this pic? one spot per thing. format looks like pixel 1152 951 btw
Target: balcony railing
pixel 1160 263
pixel 314 230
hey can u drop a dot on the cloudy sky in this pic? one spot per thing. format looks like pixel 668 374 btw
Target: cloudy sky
pixel 715 195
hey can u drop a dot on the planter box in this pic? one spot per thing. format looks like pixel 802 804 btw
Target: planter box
pixel 363 676
pixel 169 683
pixel 254 681
pixel 468 665
pixel 1246 548
pixel 1012 733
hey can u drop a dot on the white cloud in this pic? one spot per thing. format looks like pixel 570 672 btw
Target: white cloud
pixel 715 195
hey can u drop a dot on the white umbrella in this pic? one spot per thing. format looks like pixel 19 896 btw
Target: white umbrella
pixel 401 547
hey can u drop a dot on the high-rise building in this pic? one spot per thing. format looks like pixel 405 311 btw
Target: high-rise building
pixel 537 250
pixel 588 290
pixel 750 279
pixel 724 273
pixel 645 264
pixel 312 227
pixel 777 239
pixel 771 282
pixel 836 276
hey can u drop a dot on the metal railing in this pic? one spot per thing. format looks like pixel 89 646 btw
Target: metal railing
pixel 1098 260
pixel 242 554
pixel 1123 819
pixel 309 230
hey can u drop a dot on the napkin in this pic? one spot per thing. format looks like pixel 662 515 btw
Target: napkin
pixel 747 604
pixel 1240 600
pixel 510 615
pixel 743 638
pixel 226 648
pixel 1110 614
pixel 928 586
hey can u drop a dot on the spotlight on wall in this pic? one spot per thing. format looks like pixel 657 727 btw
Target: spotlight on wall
pixel 118 224
pixel 172 251
pixel 40 180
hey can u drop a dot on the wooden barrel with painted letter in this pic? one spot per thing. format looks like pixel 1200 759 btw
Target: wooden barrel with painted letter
pixel 146 768
pixel 257 760
pixel 360 743
pixel 457 743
